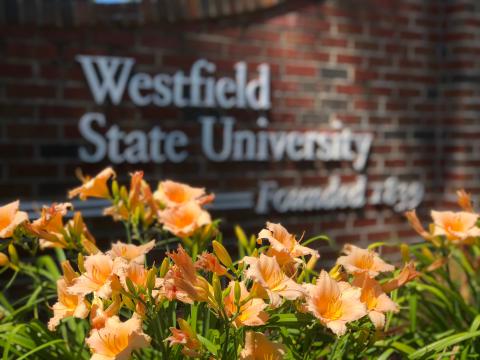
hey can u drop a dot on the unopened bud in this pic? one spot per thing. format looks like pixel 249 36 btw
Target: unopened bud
pixel 81 261
pixel 68 273
pixel 222 254
pixel 4 261
pixel 13 254
pixel 164 267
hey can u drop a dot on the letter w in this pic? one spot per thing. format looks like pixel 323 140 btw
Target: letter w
pixel 106 83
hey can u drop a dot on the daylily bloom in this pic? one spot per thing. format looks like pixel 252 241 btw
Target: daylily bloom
pixel 267 273
pixel 10 218
pixel 184 220
pixel 209 262
pixel 282 241
pixel 186 337
pixel 133 271
pixel 98 278
pixel 49 226
pixel 258 347
pixel 417 225
pixel 464 200
pixel 117 339
pixel 376 301
pixel 130 252
pixel 407 274
pixel 357 261
pixel 94 187
pixel 457 227
pixel 249 314
pixel 171 193
pixel 67 305
pixel 334 303
pixel 181 281
pixel 99 315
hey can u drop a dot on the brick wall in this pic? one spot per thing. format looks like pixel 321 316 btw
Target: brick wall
pixel 407 71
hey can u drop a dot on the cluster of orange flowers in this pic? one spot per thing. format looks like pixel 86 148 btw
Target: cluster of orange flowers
pixel 458 228
pixel 241 293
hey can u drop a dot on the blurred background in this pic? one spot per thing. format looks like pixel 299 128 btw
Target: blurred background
pixel 330 116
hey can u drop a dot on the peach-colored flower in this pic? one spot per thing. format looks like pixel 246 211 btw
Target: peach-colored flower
pixel 259 347
pixel 250 313
pixel 67 305
pixel 94 187
pixel 267 273
pixel 457 227
pixel 186 337
pixel 407 274
pixel 417 225
pixel 10 218
pixel 282 241
pixel 49 226
pixel 359 260
pixel 376 301
pixel 171 193
pixel 334 303
pixel 135 272
pixel 464 200
pixel 99 315
pixel 117 339
pixel 209 262
pixel 182 281
pixel 130 252
pixel 99 276
pixel 184 220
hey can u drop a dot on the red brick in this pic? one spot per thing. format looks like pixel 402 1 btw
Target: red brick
pixel 300 70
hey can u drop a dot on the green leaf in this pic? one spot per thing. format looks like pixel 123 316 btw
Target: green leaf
pixel 442 344
pixel 208 344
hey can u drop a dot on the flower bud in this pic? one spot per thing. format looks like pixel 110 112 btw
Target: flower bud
pixel 164 267
pixel 151 275
pixel 68 273
pixel 222 254
pixel 13 254
pixel 237 292
pixel 81 265
pixel 4 261
pixel 217 290
pixel 89 247
pixel 405 251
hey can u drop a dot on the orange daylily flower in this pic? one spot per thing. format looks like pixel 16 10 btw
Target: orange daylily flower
pixel 250 313
pixel 417 225
pixel 184 220
pixel 117 339
pixel 464 200
pixel 209 262
pixel 49 226
pixel 407 274
pixel 334 303
pixel 130 252
pixel 266 271
pixel 457 227
pixel 133 271
pixel 99 277
pixel 170 194
pixel 94 187
pixel 375 299
pixel 182 281
pixel 259 347
pixel 282 241
pixel 99 315
pixel 10 218
pixel 357 261
pixel 67 305
pixel 186 337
